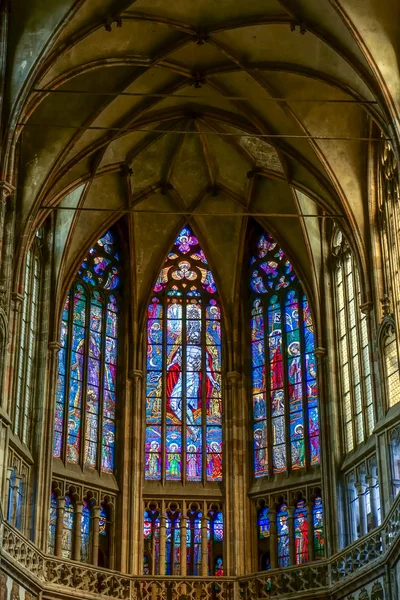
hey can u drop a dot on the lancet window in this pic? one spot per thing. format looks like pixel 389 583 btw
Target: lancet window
pixel 84 430
pixel 80 528
pixel 29 332
pixel 183 400
pixel 354 354
pixel 183 539
pixel 285 396
pixel 290 535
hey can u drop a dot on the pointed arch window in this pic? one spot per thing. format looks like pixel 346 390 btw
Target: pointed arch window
pixel 285 397
pixel 27 354
pixel 183 398
pixel 353 353
pixel 67 527
pixel 85 531
pixel 84 430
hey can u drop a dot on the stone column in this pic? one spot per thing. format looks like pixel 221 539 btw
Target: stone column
pixel 204 546
pixel 371 482
pixel 163 540
pixel 110 530
pixel 311 552
pixel 360 487
pixel 95 535
pixel 183 525
pixel 273 552
pixel 59 526
pixel 76 553
pixel 45 452
pixel 6 189
pixel 292 549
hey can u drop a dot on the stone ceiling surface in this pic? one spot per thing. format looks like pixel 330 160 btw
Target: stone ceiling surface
pixel 208 110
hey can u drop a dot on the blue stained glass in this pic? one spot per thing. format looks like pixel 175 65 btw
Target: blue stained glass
pixel 52 523
pixel 88 349
pixel 183 380
pixel 263 523
pixel 282 529
pixel 85 532
pixel 67 528
pixel 291 374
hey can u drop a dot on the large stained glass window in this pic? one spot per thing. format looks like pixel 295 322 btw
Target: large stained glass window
pixel 85 531
pixel 84 430
pixel 355 371
pixel 285 397
pixel 183 404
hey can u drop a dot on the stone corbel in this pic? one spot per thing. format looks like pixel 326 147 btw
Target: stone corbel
pixel 6 189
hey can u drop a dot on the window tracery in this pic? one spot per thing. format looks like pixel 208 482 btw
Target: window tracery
pixel 183 538
pixel 354 355
pixel 290 534
pixel 184 403
pixel 84 431
pixel 285 396
pixel 27 359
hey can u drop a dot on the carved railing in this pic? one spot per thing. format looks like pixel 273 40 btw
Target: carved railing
pixel 318 577
pixel 292 580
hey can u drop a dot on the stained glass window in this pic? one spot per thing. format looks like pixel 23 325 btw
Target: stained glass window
pixel 26 367
pixel 353 352
pixel 85 531
pixel 67 528
pixel 301 532
pixel 193 542
pixel 151 533
pixel 285 396
pixel 282 530
pixel 183 399
pixel 263 523
pixel 52 523
pixel 318 527
pixel 173 544
pixel 84 431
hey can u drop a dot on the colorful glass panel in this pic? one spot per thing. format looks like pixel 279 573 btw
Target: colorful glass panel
pixel 318 527
pixel 282 529
pixel 85 532
pixel 193 543
pixel 67 528
pixel 86 386
pixel 184 365
pixel 284 388
pixel 173 545
pixel 301 533
pixel 52 523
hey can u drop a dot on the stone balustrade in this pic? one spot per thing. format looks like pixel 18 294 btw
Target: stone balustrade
pixel 319 577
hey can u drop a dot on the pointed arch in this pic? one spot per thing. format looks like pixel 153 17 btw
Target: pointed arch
pixel 284 385
pixel 183 386
pixel 84 429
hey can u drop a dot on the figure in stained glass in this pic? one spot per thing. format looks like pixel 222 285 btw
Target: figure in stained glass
pixel 285 396
pixel 89 346
pixel 301 532
pixel 183 397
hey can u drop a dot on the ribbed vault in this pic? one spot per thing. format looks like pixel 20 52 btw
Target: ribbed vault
pixel 209 110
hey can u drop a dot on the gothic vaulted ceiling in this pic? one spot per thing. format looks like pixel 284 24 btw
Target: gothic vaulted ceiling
pixel 209 108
